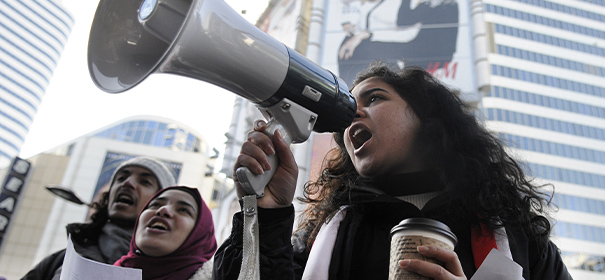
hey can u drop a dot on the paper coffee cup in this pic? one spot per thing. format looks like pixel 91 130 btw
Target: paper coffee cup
pixel 414 232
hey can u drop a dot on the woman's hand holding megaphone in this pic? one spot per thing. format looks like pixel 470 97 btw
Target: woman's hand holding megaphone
pixel 254 155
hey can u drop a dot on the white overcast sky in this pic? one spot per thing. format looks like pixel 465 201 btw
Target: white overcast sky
pixel 74 106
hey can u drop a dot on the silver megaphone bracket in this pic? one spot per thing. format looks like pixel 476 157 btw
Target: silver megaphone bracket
pixel 295 125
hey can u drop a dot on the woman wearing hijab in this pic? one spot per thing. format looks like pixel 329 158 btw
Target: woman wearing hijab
pixel 173 238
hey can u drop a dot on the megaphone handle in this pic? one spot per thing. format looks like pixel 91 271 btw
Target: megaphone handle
pixel 255 184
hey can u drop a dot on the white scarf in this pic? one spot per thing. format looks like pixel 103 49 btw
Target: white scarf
pixel 318 263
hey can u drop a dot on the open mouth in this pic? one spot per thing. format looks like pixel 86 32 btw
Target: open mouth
pixel 125 199
pixel 158 225
pixel 359 136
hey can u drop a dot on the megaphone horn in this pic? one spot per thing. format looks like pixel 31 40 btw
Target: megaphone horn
pixel 208 41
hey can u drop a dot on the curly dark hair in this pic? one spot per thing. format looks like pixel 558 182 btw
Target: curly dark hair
pixel 472 163
pixel 101 214
pixel 90 231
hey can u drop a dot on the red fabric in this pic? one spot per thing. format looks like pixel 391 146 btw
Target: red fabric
pixel 197 249
pixel 483 241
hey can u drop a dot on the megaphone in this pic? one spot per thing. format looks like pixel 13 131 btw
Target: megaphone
pixel 208 41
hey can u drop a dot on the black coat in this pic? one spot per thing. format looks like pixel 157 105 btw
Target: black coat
pixel 47 268
pixel 362 245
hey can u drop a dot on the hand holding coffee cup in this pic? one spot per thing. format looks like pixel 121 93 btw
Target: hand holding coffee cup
pixel 411 233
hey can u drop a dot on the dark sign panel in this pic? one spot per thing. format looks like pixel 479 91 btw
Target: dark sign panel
pixel 11 190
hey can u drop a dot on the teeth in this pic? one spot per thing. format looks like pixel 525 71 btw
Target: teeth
pixel 159 225
pixel 356 133
pixel 124 198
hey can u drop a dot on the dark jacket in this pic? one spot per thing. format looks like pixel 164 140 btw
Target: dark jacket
pixel 47 268
pixel 362 246
pixel 85 237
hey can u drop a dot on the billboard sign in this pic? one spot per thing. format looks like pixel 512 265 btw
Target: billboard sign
pixel 432 34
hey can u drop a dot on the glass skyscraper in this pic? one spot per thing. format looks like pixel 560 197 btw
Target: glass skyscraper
pixel 547 101
pixel 32 37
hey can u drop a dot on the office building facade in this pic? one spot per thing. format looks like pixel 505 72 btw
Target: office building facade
pixel 547 101
pixel 32 37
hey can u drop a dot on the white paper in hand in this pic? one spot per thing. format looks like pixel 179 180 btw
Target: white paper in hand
pixel 76 267
pixel 497 266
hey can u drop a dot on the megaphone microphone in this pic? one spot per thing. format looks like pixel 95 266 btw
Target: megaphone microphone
pixel 208 41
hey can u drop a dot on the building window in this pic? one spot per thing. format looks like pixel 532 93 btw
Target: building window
pixel 553 40
pixel 215 195
pixel 541 79
pixel 549 21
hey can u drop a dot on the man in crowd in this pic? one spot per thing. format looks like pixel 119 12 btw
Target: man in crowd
pixel 107 237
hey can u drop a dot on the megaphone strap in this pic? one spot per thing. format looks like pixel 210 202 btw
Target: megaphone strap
pixel 250 268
